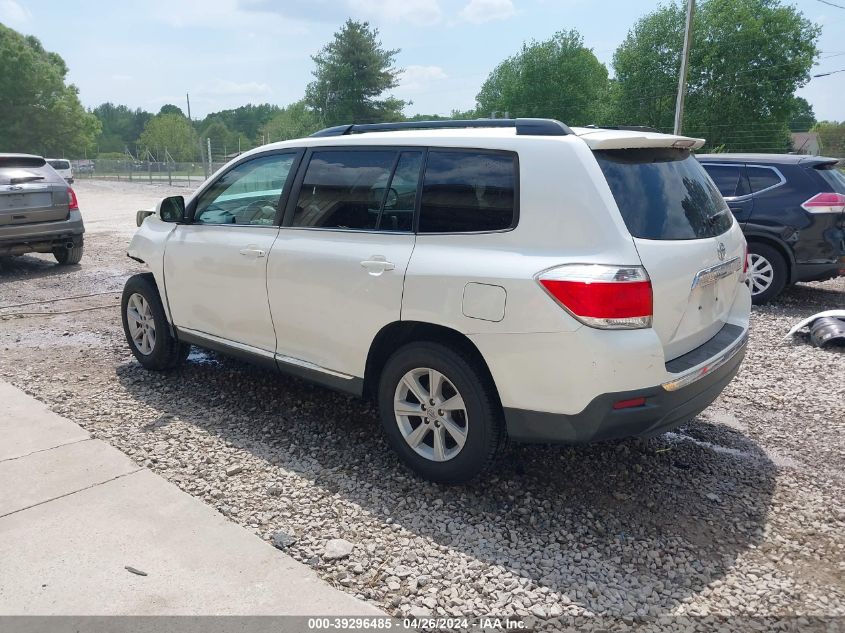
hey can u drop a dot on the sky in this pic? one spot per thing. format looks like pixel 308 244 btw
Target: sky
pixel 226 53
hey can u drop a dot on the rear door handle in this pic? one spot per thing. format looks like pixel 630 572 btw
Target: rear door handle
pixel 252 251
pixel 377 264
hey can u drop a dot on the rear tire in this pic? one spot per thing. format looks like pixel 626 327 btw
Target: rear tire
pixel 767 272
pixel 67 256
pixel 457 437
pixel 146 327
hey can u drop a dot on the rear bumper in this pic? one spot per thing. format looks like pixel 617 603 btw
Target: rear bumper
pixel 40 237
pixel 667 406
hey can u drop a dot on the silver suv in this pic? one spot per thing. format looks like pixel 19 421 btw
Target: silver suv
pixel 478 279
pixel 39 212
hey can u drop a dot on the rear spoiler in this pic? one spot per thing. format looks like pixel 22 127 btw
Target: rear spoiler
pixel 818 161
pixel 600 139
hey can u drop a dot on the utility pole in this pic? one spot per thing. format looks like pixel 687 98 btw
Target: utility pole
pixel 188 99
pixel 682 79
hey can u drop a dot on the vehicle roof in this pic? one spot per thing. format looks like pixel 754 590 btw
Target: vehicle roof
pixel 779 159
pixel 595 138
pixel 15 155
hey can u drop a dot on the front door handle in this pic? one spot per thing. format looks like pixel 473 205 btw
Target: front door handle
pixel 377 264
pixel 252 251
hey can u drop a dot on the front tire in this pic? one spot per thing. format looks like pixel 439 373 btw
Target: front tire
pixel 146 327
pixel 440 412
pixel 767 272
pixel 67 256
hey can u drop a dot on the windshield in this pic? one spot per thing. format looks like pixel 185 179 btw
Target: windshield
pixel 664 194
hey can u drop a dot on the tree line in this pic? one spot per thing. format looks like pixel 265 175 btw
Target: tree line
pixel 747 60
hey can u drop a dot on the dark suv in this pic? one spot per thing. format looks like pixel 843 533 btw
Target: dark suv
pixel 39 213
pixel 792 211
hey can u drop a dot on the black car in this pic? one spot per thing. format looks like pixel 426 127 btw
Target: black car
pixel 792 211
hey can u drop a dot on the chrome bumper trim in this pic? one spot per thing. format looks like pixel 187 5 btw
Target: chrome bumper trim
pixel 708 367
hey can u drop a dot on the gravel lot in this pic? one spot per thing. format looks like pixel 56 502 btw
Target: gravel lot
pixel 740 513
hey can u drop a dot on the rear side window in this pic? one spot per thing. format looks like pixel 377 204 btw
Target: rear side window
pixel 59 164
pixel 664 194
pixel 762 178
pixel 345 189
pixel 730 179
pixel 468 191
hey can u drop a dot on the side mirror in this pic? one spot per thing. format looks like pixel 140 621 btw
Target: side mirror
pixel 172 209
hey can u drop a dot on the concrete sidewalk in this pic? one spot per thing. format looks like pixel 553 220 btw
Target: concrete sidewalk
pixel 74 512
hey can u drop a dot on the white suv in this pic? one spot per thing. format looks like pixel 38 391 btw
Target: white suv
pixel 479 279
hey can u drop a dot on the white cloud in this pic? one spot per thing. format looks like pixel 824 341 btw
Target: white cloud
pixel 417 78
pixel 222 87
pixel 13 13
pixel 480 11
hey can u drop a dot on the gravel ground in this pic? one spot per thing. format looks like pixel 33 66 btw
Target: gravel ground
pixel 740 513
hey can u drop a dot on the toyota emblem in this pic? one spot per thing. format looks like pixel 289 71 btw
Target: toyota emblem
pixel 721 250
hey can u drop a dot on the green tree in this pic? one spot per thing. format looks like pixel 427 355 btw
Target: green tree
pixel 172 132
pixel 39 112
pixel 831 138
pixel 353 71
pixel 747 59
pixel 244 122
pixel 222 140
pixel 169 108
pixel 293 121
pixel 803 118
pixel 121 126
pixel 558 78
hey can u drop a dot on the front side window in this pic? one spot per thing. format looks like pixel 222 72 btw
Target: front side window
pixel 248 194
pixel 468 191
pixel 345 189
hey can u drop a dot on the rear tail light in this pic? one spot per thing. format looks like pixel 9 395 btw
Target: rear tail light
pixel 73 203
pixel 629 404
pixel 744 275
pixel 825 203
pixel 605 297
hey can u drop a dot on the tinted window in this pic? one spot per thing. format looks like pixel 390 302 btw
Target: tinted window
pixel 400 199
pixel 726 178
pixel 59 164
pixel 833 177
pixel 664 194
pixel 247 194
pixel 344 189
pixel 468 191
pixel 762 178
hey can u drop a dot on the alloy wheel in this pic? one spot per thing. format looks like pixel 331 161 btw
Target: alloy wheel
pixel 431 414
pixel 761 274
pixel 139 317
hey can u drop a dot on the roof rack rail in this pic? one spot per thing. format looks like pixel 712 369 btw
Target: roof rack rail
pixel 626 128
pixel 535 127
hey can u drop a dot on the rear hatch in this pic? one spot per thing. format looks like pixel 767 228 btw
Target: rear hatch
pixel 30 192
pixel 684 233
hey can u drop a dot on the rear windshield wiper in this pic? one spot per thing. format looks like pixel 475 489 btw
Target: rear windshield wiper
pixel 24 179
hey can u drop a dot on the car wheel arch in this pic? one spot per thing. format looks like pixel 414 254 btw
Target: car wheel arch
pixel 398 333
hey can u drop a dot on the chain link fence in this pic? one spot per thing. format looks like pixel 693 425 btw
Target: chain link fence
pixel 171 173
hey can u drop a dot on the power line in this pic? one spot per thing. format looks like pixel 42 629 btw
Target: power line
pixel 832 72
pixel 838 6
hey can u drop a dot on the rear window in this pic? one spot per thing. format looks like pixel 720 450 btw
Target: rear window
pixel 59 164
pixel 664 194
pixel 468 191
pixel 834 177
pixel 21 161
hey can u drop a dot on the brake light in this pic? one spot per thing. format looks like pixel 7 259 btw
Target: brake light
pixel 744 261
pixel 826 202
pixel 605 297
pixel 73 203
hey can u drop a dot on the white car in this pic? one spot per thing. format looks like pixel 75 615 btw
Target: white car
pixel 62 167
pixel 478 279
